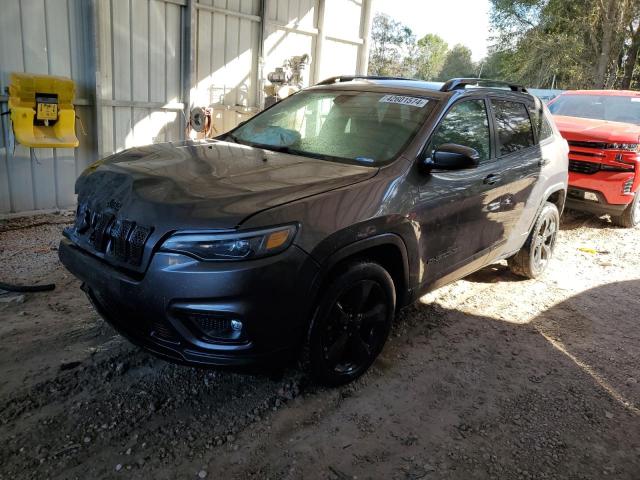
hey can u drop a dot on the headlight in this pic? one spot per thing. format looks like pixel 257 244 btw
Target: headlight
pixel 231 246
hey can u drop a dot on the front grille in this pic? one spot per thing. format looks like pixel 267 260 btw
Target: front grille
pixel 587 154
pixel 119 234
pixel 210 325
pixel 121 238
pixel 588 168
pixel 596 145
pixel 626 188
pixel 99 233
pixel 164 332
pixel 136 243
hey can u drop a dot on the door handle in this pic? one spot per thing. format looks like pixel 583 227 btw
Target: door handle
pixel 543 162
pixel 492 179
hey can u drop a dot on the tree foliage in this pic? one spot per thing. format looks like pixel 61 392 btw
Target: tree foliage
pixel 432 52
pixel 566 43
pixel 391 42
pixel 458 63
pixel 395 52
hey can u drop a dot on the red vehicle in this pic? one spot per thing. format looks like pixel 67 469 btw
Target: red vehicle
pixel 603 131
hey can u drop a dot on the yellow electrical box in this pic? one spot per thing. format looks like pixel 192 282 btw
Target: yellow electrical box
pixel 42 111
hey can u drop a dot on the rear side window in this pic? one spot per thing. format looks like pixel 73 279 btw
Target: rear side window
pixel 514 126
pixel 541 122
pixel 465 124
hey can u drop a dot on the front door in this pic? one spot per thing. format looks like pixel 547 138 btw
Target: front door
pixel 455 207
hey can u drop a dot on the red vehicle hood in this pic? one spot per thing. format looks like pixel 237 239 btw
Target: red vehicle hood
pixel 586 129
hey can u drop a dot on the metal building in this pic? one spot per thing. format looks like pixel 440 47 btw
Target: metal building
pixel 139 65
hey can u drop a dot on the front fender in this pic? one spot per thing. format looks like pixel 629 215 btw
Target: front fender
pixel 356 240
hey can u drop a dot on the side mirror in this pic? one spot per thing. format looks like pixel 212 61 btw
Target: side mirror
pixel 451 156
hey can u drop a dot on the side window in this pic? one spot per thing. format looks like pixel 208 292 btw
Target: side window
pixel 465 124
pixel 514 126
pixel 545 129
pixel 540 122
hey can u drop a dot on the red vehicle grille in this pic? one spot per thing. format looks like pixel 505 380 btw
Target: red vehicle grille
pixel 588 168
pixel 595 145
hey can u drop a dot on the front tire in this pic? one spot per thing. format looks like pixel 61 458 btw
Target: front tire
pixel 351 323
pixel 631 215
pixel 534 256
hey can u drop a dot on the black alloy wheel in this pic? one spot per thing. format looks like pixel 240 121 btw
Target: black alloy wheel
pixel 534 256
pixel 351 324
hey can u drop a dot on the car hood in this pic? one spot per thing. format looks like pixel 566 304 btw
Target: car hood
pixel 586 129
pixel 210 184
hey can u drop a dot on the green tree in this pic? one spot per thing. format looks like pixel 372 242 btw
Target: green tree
pixel 495 66
pixel 580 43
pixel 430 55
pixel 458 63
pixel 390 42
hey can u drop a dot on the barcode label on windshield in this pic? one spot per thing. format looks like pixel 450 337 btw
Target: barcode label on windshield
pixel 402 100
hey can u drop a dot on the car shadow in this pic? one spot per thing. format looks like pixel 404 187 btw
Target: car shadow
pixel 574 219
pixel 461 395
pixel 568 375
pixel 494 273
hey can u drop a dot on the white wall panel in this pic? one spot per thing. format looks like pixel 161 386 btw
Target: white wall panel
pixel 227 53
pixel 140 55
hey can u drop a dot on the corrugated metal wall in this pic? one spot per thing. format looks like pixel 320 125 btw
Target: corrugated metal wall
pixel 50 37
pixel 147 62
pixel 227 53
pixel 139 97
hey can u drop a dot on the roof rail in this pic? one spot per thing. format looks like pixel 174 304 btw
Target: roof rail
pixel 350 78
pixel 461 83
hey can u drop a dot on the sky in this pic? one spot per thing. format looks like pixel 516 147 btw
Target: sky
pixel 457 21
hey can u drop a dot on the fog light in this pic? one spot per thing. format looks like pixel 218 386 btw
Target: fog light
pixel 236 325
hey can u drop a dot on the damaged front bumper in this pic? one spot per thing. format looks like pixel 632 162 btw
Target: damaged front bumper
pixel 202 313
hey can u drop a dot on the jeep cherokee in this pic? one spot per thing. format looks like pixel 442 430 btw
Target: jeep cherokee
pixel 314 221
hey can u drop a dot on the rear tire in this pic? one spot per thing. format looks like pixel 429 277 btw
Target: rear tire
pixel 351 323
pixel 532 259
pixel 631 215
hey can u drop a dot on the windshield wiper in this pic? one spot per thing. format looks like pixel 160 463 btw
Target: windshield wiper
pixel 232 137
pixel 266 146
pixel 276 148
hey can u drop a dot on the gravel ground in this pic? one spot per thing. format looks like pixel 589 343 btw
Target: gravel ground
pixel 491 377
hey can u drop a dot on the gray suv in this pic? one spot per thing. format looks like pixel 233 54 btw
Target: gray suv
pixel 307 227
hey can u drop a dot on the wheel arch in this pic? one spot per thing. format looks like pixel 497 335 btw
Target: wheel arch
pixel 388 249
pixel 556 194
pixel 558 197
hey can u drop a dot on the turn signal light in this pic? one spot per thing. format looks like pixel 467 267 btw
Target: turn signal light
pixel 277 239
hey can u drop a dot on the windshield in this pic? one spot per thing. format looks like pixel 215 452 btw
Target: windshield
pixel 598 107
pixel 362 127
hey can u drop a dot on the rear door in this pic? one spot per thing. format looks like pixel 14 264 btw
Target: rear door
pixel 519 159
pixel 550 150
